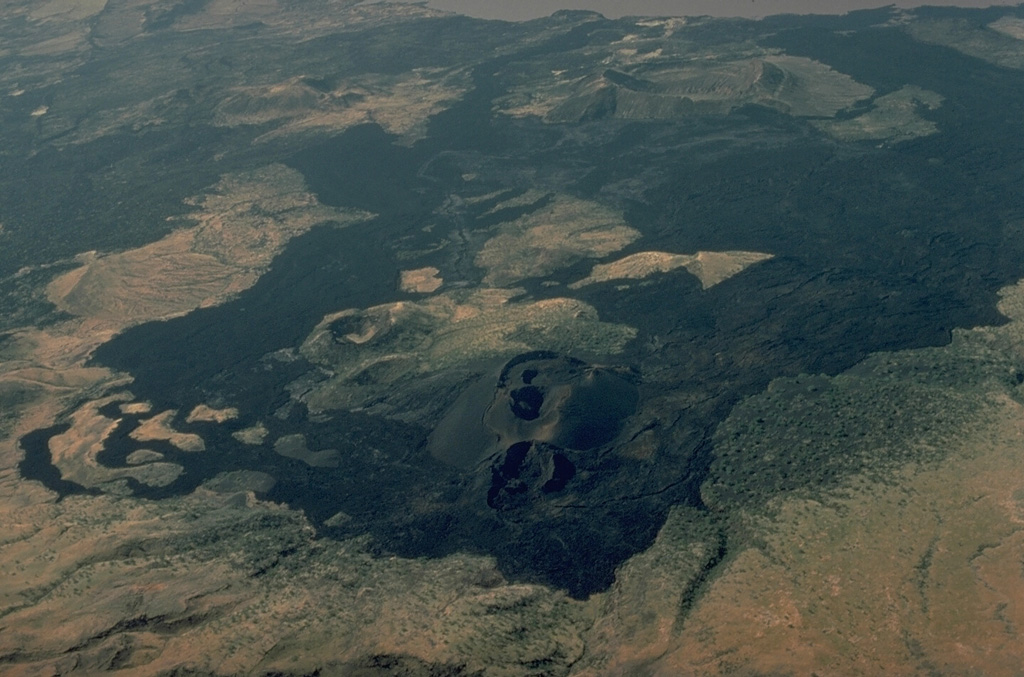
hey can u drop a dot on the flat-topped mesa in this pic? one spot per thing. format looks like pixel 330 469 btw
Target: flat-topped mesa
pixel 420 281
pixel 711 268
pixel 206 413
pixel 558 234
pixel 159 428
pixel 893 117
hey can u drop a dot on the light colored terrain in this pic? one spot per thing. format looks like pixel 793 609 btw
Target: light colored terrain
pixel 420 281
pixel 935 551
pixel 159 427
pixel 140 456
pixel 136 408
pixel 918 572
pixel 204 412
pixel 399 343
pixel 253 435
pixel 241 224
pixel 74 452
pixel 557 235
pixel 222 583
pixel 651 77
pixel 1009 25
pixel 893 117
pixel 999 42
pixel 910 566
pixel 400 104
pixel 906 568
pixel 54 37
pixel 710 268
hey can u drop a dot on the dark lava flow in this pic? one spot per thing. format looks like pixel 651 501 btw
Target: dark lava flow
pixel 545 397
pixel 877 248
pixel 538 397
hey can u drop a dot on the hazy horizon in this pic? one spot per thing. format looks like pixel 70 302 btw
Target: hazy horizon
pixel 522 10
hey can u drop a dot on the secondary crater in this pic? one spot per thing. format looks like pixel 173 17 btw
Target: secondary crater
pixel 541 397
pixel 563 401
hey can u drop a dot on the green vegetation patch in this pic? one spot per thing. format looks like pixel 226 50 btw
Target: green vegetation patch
pixel 809 433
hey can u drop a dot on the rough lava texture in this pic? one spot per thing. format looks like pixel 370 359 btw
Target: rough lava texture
pixel 859 519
